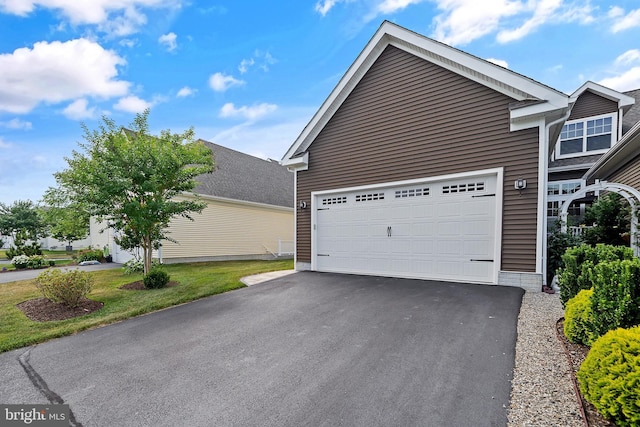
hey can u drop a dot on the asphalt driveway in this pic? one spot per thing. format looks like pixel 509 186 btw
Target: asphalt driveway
pixel 309 349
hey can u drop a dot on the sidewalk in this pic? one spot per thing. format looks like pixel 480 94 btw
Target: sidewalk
pixel 259 278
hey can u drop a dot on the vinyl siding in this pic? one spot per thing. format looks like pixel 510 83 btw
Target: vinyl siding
pixel 229 229
pixel 407 119
pixel 589 104
pixel 629 174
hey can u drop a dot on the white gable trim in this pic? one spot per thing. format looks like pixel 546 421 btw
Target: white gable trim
pixel 505 81
pixel 610 94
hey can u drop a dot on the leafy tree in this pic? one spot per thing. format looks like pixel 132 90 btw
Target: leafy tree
pixel 130 179
pixel 22 222
pixel 611 216
pixel 66 222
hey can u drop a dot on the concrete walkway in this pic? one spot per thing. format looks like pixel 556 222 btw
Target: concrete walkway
pixel 265 277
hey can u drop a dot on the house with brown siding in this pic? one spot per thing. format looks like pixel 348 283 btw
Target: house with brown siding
pixel 427 162
pixel 599 118
pixel 248 215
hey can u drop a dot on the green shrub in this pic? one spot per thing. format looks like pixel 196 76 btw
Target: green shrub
pixel 578 319
pixel 90 255
pixel 35 261
pixel 137 266
pixel 557 244
pixel 616 295
pixel 610 376
pixel 578 265
pixel 68 288
pixel 20 261
pixel 156 279
pixel 52 263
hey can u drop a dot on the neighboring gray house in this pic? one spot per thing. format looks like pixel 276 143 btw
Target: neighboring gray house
pixel 249 214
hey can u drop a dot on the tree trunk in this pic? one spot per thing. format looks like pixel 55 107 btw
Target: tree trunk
pixel 147 250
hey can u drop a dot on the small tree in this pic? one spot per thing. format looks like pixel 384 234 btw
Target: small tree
pixel 611 216
pixel 66 222
pixel 130 179
pixel 22 222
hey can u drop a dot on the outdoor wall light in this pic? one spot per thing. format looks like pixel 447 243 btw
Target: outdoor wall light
pixel 303 204
pixel 520 184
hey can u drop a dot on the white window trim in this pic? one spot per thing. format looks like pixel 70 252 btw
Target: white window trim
pixel 614 136
pixel 561 198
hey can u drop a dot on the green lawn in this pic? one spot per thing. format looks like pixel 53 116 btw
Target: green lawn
pixel 197 280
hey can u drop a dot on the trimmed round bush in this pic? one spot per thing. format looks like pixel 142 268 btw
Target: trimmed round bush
pixel 578 319
pixel 67 288
pixel 156 279
pixel 610 376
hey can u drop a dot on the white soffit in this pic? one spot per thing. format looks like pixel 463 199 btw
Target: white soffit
pixel 514 85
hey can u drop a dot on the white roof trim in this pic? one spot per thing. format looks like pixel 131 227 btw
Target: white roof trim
pixel 612 95
pixel 512 84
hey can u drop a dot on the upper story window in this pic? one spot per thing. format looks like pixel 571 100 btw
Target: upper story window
pixel 593 135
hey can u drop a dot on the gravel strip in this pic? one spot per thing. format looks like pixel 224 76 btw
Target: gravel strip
pixel 541 393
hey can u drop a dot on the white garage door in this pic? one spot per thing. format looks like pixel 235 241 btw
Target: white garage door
pixel 443 230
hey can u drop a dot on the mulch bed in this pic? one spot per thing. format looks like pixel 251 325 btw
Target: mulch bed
pixel 43 310
pixel 139 286
pixel 577 353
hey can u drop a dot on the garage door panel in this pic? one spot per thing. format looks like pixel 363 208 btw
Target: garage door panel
pixel 443 231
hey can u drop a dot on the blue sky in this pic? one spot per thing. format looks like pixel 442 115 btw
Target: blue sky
pixel 250 74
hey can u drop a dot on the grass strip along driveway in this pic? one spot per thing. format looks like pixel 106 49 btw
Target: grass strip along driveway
pixel 196 280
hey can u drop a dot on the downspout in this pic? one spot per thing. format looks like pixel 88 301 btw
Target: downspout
pixel 544 192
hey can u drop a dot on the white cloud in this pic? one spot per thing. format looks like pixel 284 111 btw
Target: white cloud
pixel 624 22
pixel 262 59
pixel 185 91
pixel 169 41
pixel 391 6
pixel 626 69
pixel 629 57
pixel 56 72
pixel 324 6
pixel 78 110
pixel 615 12
pixel 627 80
pixel 119 17
pixel 16 124
pixel 220 82
pixel 3 144
pixel 250 113
pixel 245 64
pixel 132 104
pixel 128 43
pixel 462 21
pixel 500 62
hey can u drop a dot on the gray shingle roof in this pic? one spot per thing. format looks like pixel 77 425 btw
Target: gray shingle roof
pixel 243 177
pixel 632 116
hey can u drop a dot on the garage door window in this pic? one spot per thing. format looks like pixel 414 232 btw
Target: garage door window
pixel 412 192
pixel 463 188
pixel 369 197
pixel 334 200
